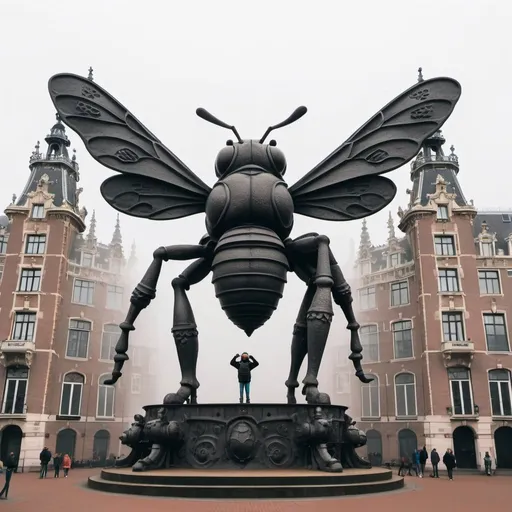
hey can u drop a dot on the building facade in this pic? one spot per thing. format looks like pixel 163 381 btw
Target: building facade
pixel 435 309
pixel 62 296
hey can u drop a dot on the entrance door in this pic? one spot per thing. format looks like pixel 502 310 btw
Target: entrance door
pixel 66 441
pixel 464 447
pixel 11 442
pixel 407 442
pixel 100 446
pixel 503 443
pixel 374 447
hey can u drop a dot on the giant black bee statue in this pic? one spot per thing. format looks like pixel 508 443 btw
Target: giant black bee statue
pixel 249 215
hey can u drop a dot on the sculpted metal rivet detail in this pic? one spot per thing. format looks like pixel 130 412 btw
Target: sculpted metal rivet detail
pixel 424 112
pixel 87 110
pixel 89 92
pixel 420 95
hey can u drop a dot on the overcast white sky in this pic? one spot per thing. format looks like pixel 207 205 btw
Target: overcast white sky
pixel 251 64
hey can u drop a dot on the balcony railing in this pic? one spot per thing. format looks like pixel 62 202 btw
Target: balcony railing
pixel 16 352
pixel 422 160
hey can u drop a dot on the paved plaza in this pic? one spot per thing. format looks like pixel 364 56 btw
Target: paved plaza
pixel 465 493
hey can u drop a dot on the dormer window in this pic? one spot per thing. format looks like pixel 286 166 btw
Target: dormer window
pixel 37 211
pixel 395 259
pixel 365 267
pixel 87 259
pixel 487 248
pixel 442 212
pixel 505 217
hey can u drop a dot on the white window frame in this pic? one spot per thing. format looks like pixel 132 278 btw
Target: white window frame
pixel 400 291
pixel 505 327
pixel 393 331
pixel 441 210
pixel 119 297
pixel 112 346
pixel 103 388
pixel 3 244
pixel 375 384
pixel 448 280
pixel 364 292
pixel 461 313
pixel 487 242
pixel 365 346
pixel 72 384
pixel 459 381
pixel 395 385
pixel 85 320
pixel 31 279
pixel 16 387
pixel 93 288
pixel 342 383
pixel 82 262
pixel 398 262
pixel 39 209
pixel 39 244
pixel 486 279
pixel 500 393
pixel 453 245
pixel 136 377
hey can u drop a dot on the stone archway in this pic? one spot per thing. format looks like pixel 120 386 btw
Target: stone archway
pixel 101 445
pixel 11 442
pixel 374 447
pixel 407 443
pixel 503 446
pixel 464 447
pixel 66 442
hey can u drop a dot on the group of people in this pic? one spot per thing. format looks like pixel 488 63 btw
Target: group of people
pixel 419 459
pixel 59 461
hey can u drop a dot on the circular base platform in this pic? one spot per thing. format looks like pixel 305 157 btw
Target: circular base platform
pixel 246 484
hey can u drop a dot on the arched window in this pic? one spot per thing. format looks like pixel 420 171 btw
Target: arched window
pixel 71 399
pixel 15 391
pixel 370 342
pixel 109 339
pixel 101 445
pixel 500 391
pixel 66 442
pixel 370 406
pixel 106 396
pixel 407 442
pixel 405 395
pixel 402 339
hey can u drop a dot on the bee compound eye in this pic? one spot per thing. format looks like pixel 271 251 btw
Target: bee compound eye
pixel 272 143
pixel 229 142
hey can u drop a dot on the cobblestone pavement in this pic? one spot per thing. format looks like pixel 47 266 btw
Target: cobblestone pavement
pixel 465 493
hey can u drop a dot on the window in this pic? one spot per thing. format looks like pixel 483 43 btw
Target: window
pixel 86 259
pixel 38 211
pixel 71 400
pixel 30 280
pixel 343 381
pixel 365 267
pixel 15 391
pixel 505 217
pixel 405 393
pixel 136 384
pixel 499 388
pixel 370 342
pixel 3 244
pixel 402 339
pixel 115 266
pixel 36 244
pixel 24 326
pixel 395 259
pixel 448 280
pixel 460 386
pixel 83 292
pixel 442 212
pixel 370 399
pixel 367 298
pixel 106 395
pixel 399 293
pixel 78 338
pixel 496 333
pixel 486 249
pixel 489 281
pixel 453 330
pixel 444 245
pixel 114 297
pixel 109 339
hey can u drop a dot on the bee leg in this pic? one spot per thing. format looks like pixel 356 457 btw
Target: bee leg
pixel 299 345
pixel 343 297
pixel 184 331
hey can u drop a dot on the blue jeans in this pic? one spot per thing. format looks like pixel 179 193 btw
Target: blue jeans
pixel 247 387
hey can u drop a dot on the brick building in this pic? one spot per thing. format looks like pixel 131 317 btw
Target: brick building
pixel 434 308
pixel 62 296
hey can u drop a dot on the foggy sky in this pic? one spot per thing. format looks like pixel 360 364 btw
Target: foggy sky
pixel 252 64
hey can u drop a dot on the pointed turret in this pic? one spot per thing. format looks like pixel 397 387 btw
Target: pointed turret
pixel 91 240
pixel 132 260
pixel 391 229
pixel 116 245
pixel 365 244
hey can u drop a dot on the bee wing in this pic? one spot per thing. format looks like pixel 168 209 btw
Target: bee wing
pixel 117 140
pixel 387 141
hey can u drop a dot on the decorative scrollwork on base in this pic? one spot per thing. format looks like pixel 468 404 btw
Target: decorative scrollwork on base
pixel 278 451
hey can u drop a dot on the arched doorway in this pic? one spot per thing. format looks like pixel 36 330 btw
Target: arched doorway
pixel 11 441
pixel 407 442
pixel 100 446
pixel 464 447
pixel 503 444
pixel 374 447
pixel 66 442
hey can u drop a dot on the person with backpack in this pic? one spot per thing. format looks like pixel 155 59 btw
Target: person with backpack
pixel 488 464
pixel 245 366
pixel 10 465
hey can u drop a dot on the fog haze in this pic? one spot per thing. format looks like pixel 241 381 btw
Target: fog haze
pixel 252 64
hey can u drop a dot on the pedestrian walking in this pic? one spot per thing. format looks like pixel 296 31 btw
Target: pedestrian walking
pixel 10 465
pixel 44 457
pixel 423 456
pixel 66 464
pixel 57 463
pixel 435 459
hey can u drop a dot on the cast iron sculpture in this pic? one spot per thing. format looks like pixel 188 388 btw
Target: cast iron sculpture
pixel 249 215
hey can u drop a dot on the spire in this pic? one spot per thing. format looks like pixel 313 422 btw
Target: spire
pixel 91 235
pixel 365 244
pixel 132 260
pixel 90 75
pixel 116 244
pixel 420 74
pixel 58 141
pixel 391 228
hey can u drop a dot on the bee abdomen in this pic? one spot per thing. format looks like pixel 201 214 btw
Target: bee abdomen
pixel 249 274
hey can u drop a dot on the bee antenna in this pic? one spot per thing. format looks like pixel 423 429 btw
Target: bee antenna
pixel 296 115
pixel 204 114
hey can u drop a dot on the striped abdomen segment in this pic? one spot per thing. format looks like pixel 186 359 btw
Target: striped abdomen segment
pixel 249 274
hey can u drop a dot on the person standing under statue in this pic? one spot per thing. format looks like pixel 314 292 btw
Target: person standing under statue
pixel 246 364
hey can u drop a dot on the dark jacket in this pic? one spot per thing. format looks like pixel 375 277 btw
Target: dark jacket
pixel 57 461
pixel 244 368
pixel 423 456
pixel 449 460
pixel 10 462
pixel 45 456
pixel 434 457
